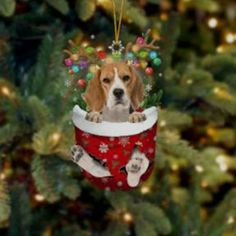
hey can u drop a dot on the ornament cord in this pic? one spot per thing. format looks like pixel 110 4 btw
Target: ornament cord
pixel 117 26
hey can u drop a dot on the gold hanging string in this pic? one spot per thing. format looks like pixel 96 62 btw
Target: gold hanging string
pixel 117 26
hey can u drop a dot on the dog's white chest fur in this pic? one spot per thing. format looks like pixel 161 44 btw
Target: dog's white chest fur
pixel 117 114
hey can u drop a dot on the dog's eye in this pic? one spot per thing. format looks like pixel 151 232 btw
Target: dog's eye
pixel 106 80
pixel 126 78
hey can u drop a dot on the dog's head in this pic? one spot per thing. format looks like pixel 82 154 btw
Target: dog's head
pixel 116 86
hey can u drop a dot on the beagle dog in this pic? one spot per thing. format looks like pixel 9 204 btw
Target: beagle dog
pixel 114 94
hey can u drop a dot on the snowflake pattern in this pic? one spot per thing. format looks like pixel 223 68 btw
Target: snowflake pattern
pixel 103 148
pixel 138 143
pixel 115 156
pixel 86 135
pixel 150 150
pixel 124 141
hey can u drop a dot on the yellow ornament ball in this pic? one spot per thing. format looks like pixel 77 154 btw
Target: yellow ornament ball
pixel 143 64
pixel 93 68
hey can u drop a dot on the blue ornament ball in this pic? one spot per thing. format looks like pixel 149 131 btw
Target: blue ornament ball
pixel 130 56
pixel 153 55
pixel 75 68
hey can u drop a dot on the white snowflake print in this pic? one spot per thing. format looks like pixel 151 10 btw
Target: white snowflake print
pixel 151 150
pixel 115 156
pixel 139 143
pixel 124 141
pixel 87 135
pixel 103 148
pixel 112 139
pixel 148 87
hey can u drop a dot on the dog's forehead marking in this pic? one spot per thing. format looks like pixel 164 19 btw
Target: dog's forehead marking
pixel 118 82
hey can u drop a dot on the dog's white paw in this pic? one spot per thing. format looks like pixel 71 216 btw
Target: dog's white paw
pixel 94 117
pixel 76 153
pixel 136 117
pixel 136 167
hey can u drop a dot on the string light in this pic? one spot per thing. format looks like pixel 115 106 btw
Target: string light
pixel 164 16
pixel 230 220
pixel 229 37
pixel 5 91
pixel 174 167
pixel 127 217
pixel 2 176
pixel 189 81
pixel 85 44
pixel 56 137
pixel 204 184
pixel 220 49
pixel 220 160
pixel 199 168
pixel 145 190
pixel 39 197
pixel 163 123
pixel 222 93
pixel 212 22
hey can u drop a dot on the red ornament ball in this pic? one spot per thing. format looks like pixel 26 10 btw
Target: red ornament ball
pixel 71 72
pixel 149 71
pixel 101 54
pixel 81 83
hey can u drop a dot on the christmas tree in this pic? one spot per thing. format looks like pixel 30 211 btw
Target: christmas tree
pixel 192 190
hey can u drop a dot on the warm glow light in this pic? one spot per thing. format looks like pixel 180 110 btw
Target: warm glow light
pixel 164 16
pixel 199 168
pixel 212 22
pixel 85 44
pixel 220 160
pixel 222 93
pixel 204 184
pixel 145 190
pixel 2 176
pixel 127 217
pixel 99 48
pixel 229 37
pixel 5 91
pixel 189 81
pixel 174 167
pixel 163 123
pixel 220 49
pixel 230 220
pixel 39 198
pixel 56 137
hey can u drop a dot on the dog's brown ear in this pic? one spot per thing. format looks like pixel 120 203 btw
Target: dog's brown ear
pixel 137 93
pixel 94 95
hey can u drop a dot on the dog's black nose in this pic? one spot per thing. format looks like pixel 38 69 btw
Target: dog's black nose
pixel 118 92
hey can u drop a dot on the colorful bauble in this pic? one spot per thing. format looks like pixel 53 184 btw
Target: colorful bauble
pixel 149 71
pixel 157 61
pixel 71 72
pixel 130 56
pixel 83 63
pixel 153 55
pixel 143 54
pixel 68 62
pixel 75 57
pixel 140 41
pixel 82 83
pixel 75 68
pixel 89 50
pixel 101 54
pixel 90 76
pixel 117 55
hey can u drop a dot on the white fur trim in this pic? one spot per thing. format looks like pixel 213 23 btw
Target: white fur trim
pixel 113 129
